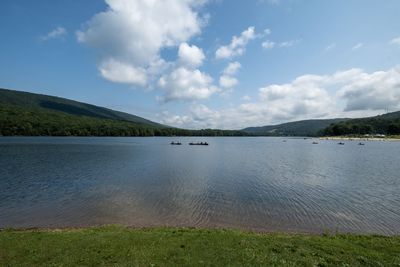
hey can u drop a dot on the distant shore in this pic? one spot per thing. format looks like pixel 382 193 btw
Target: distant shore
pixel 349 138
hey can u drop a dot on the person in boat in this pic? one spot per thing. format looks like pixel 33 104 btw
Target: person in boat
pixel 175 143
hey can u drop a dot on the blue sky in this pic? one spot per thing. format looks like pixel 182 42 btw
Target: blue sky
pixel 216 63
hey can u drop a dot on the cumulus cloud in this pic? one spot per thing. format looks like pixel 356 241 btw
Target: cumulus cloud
pixel 395 41
pixel 348 93
pixel 191 56
pixel 315 96
pixel 57 33
pixel 199 117
pixel 132 33
pixel 309 94
pixel 119 72
pixel 186 84
pixel 305 96
pixel 175 120
pixel 227 79
pixel 232 68
pixel 237 46
pixel 376 91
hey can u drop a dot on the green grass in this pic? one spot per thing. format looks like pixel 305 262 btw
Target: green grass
pixel 121 246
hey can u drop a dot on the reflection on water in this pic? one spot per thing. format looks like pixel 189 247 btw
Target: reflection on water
pixel 251 183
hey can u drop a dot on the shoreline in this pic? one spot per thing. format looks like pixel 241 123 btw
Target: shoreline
pixel 122 246
pixel 271 231
pixel 347 138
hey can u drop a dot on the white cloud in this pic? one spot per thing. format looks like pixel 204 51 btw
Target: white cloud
pixel 376 91
pixel 237 46
pixel 202 113
pixel 305 96
pixel 395 41
pixel 174 120
pixel 191 56
pixel 348 93
pixel 357 46
pixel 341 93
pixel 268 44
pixel 118 72
pixel 132 33
pixel 57 33
pixel 199 117
pixel 227 79
pixel 246 98
pixel 186 84
pixel 232 68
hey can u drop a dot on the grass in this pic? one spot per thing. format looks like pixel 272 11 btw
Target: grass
pixel 121 246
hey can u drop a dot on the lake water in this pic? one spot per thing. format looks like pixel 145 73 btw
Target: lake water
pixel 261 184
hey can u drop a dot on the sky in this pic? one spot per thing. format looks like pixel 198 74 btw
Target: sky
pixel 208 63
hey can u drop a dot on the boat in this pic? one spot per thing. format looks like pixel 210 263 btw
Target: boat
pixel 198 144
pixel 361 144
pixel 315 143
pixel 176 143
pixel 340 143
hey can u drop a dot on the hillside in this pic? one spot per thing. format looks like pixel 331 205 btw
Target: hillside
pixel 388 124
pixel 297 128
pixel 28 114
pixel 23 113
pixel 52 103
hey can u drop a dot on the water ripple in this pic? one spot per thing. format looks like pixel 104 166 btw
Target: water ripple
pixel 251 183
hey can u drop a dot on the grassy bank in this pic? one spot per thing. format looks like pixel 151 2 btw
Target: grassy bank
pixel 120 246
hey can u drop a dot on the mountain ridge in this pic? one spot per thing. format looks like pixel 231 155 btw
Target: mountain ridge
pixel 295 128
pixel 30 114
pixel 69 106
pixel 24 113
pixel 388 123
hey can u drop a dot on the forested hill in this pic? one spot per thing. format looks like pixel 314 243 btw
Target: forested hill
pixel 388 124
pixel 52 103
pixel 28 114
pixel 297 128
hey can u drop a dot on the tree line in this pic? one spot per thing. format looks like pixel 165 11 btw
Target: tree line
pixel 17 121
pixel 364 126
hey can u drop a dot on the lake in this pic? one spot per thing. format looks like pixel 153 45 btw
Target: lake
pixel 260 183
